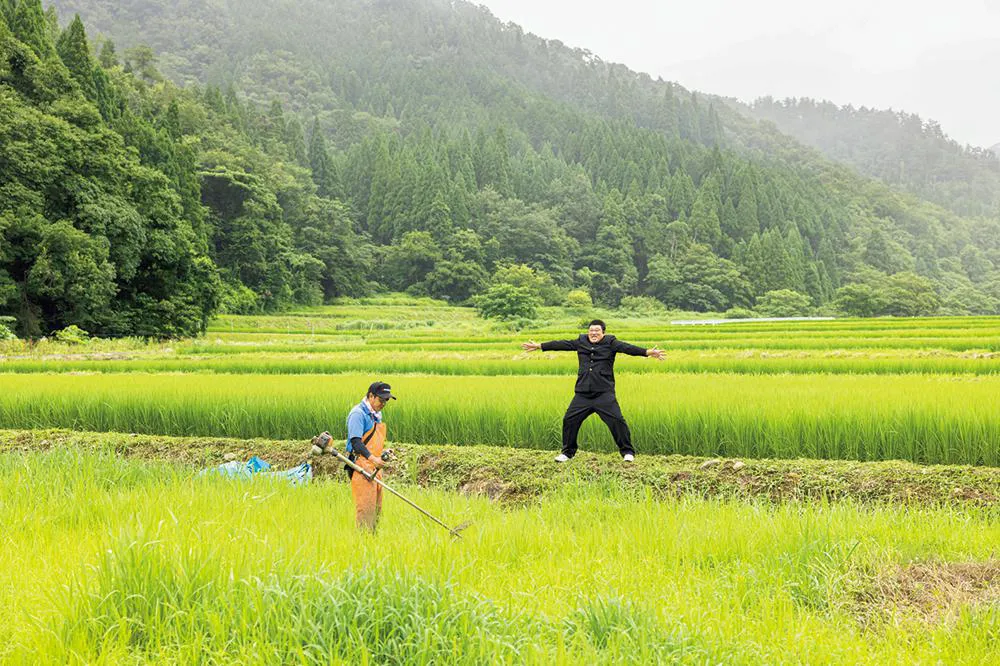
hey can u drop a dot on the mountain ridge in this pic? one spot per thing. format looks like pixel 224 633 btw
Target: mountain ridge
pixel 426 146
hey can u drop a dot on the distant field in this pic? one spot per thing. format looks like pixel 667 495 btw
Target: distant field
pixel 441 340
pixel 291 360
pixel 921 390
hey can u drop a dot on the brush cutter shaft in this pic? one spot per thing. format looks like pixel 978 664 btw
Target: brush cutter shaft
pixel 373 478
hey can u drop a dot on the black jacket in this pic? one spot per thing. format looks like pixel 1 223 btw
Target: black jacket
pixel 597 362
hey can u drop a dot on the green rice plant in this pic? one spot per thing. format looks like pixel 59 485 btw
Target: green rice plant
pixel 922 418
pixel 456 343
pixel 491 362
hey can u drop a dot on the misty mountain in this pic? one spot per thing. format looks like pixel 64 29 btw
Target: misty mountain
pixel 898 148
pixel 365 67
pixel 448 145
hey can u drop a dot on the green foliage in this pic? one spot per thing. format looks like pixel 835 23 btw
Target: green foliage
pixel 783 303
pixel 72 335
pixel 96 237
pixel 28 25
pixel 519 275
pixel 697 280
pixel 967 300
pixel 910 295
pixel 885 255
pixel 456 280
pixel 565 169
pixel 514 295
pixel 74 51
pixel 238 299
pixel 641 306
pixel 70 278
pixel 506 301
pixel 141 61
pixel 323 168
pixel 5 333
pixel 901 295
pixel 858 300
pixel 410 261
pixel 579 299
pixel 739 313
pixel 108 56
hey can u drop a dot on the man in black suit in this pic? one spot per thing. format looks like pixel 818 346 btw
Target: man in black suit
pixel 595 385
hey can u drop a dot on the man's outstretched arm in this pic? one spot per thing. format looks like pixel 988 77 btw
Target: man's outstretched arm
pixel 552 345
pixel 632 350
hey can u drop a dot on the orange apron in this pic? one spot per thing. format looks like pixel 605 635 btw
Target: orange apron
pixel 368 494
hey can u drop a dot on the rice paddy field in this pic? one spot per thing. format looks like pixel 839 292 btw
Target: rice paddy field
pixel 804 492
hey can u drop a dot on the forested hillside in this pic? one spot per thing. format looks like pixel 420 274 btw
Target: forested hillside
pixel 92 233
pixel 897 148
pixel 131 207
pixel 321 149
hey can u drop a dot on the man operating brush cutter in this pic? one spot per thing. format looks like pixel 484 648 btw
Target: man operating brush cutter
pixel 365 444
pixel 366 455
pixel 595 386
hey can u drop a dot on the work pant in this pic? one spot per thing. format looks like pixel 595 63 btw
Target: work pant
pixel 368 494
pixel 604 405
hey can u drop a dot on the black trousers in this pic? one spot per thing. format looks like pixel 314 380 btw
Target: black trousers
pixel 604 405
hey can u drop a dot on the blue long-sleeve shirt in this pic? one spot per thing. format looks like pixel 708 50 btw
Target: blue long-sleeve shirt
pixel 360 420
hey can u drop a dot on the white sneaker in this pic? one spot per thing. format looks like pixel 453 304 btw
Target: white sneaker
pixel 628 457
pixel 562 457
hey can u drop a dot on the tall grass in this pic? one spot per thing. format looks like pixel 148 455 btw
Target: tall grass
pixel 131 563
pixel 923 418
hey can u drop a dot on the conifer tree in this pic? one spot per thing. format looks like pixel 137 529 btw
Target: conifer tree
pixel 295 142
pixel 746 222
pixel 29 26
pixel 324 171
pixel 108 57
pixel 704 221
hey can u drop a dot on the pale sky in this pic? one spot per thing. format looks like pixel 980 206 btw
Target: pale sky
pixel 937 59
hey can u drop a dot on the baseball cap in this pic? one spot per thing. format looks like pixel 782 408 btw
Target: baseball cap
pixel 382 390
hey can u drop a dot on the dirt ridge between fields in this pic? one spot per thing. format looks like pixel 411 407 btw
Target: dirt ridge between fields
pixel 508 475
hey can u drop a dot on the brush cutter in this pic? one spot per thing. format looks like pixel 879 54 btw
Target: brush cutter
pixel 453 531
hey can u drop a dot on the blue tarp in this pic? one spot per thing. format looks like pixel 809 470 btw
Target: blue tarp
pixel 257 467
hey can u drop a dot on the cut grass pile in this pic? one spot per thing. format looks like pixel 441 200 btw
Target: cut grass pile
pixel 105 560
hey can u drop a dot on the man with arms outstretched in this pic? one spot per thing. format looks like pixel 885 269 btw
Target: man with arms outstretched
pixel 595 385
